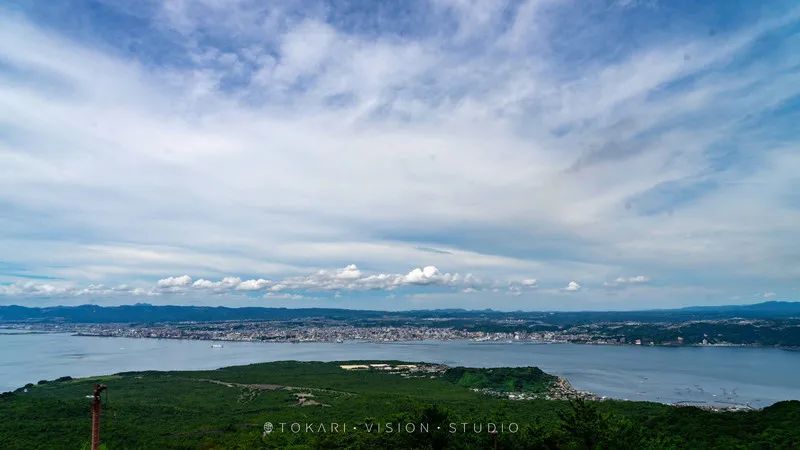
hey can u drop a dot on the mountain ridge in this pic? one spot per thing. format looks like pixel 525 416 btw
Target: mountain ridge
pixel 144 312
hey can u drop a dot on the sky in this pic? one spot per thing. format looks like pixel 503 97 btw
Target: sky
pixel 522 155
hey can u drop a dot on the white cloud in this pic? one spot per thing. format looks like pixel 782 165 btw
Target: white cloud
pixel 35 289
pixel 633 280
pixel 32 288
pixel 224 284
pixel 379 144
pixel 626 281
pixel 279 296
pixel 348 278
pixel 253 285
pixel 573 286
pixel 351 278
pixel 173 282
pixel 426 275
pixel 350 272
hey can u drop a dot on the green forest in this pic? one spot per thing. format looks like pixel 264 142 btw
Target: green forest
pixel 229 407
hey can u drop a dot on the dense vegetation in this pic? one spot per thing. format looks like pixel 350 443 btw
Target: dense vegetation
pixel 784 333
pixel 502 379
pixel 227 408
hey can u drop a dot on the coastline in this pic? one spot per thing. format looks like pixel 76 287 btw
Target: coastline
pixel 718 378
pixel 32 329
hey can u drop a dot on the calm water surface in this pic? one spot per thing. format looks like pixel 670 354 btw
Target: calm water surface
pixel 755 376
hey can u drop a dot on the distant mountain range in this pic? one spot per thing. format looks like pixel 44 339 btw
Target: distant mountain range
pixel 146 313
pixel 764 307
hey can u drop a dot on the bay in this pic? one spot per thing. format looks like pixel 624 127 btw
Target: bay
pixel 711 375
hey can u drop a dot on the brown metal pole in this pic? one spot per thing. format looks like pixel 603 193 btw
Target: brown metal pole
pixel 98 388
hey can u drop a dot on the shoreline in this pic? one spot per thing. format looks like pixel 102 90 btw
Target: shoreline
pixel 227 353
pixel 560 390
pixel 406 341
pixel 401 341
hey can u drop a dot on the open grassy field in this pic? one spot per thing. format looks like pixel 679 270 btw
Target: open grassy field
pixel 228 408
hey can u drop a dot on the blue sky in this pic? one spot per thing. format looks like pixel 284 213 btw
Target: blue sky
pixel 391 155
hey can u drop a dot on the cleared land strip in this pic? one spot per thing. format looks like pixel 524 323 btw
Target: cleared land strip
pixel 270 387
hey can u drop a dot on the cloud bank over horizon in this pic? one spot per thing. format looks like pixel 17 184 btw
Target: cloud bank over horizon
pixel 402 154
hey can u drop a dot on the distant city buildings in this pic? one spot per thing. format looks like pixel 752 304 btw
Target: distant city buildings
pixel 501 331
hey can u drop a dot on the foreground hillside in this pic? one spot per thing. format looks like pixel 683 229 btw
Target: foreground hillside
pixel 396 405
